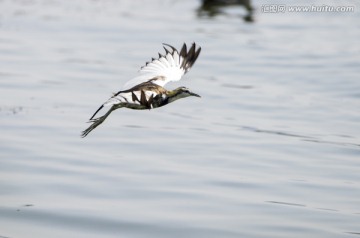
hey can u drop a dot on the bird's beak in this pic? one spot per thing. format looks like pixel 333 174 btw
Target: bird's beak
pixel 194 94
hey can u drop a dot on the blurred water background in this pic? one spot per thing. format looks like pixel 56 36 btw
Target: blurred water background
pixel 270 150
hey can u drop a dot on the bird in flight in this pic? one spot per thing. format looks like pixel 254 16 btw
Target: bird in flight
pixel 146 91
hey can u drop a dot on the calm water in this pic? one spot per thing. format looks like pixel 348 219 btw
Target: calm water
pixel 272 149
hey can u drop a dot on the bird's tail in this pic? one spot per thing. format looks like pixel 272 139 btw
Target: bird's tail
pixel 97 121
pixel 112 101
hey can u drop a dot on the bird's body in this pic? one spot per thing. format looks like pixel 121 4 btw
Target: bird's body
pixel 146 91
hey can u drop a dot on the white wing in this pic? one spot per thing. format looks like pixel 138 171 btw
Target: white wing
pixel 167 68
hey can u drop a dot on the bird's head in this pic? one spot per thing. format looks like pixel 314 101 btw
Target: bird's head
pixel 184 92
pixel 181 92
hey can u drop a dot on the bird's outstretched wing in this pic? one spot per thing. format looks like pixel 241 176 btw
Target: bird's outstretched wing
pixel 167 68
pixel 154 75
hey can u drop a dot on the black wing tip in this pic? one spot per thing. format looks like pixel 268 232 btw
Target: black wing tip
pixel 189 56
pixel 183 48
pixel 168 45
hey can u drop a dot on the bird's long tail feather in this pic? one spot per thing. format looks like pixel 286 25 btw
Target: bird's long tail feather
pixel 97 121
pixel 96 112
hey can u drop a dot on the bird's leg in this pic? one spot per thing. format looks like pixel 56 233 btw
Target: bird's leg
pixel 96 122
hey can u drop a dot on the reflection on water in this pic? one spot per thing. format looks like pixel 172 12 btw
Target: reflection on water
pixel 270 150
pixel 212 8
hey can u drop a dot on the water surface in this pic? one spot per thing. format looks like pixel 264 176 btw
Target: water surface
pixel 270 150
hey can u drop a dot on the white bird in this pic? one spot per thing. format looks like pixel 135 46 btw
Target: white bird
pixel 147 91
